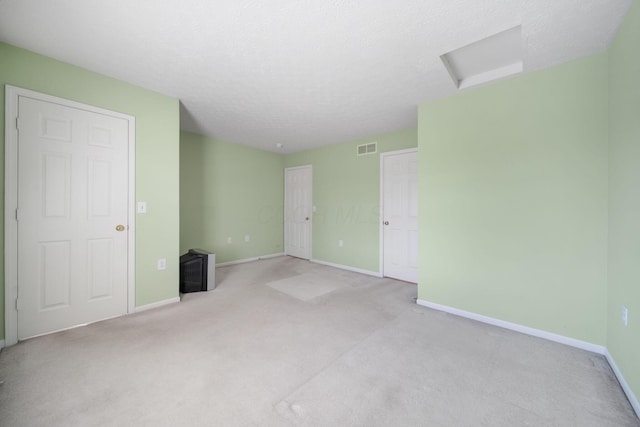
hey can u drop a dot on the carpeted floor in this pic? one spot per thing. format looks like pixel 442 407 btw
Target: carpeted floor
pixel 284 342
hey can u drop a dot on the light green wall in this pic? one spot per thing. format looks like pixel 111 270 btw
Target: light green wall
pixel 157 151
pixel 346 193
pixel 513 200
pixel 230 190
pixel 624 198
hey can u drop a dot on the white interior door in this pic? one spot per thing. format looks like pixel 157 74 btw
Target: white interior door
pixel 297 212
pixel 400 215
pixel 72 216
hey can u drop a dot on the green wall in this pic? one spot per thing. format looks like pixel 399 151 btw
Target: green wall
pixel 157 151
pixel 230 191
pixel 346 193
pixel 513 200
pixel 624 198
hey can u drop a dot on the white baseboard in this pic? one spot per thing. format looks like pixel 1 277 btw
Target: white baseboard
pixel 623 383
pixel 157 304
pixel 346 267
pixel 546 335
pixel 584 345
pixel 242 261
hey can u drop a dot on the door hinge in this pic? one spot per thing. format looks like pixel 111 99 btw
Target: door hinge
pixel 17 305
pixel 18 123
pixel 17 210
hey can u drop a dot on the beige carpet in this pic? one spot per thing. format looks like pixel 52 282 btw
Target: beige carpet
pixel 306 286
pixel 256 351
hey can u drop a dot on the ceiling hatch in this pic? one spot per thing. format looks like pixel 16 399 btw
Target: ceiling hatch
pixel 493 58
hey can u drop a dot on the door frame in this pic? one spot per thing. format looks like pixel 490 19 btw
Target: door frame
pixel 310 167
pixel 12 95
pixel 381 221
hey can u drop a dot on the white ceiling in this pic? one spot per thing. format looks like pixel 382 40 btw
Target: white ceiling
pixel 303 73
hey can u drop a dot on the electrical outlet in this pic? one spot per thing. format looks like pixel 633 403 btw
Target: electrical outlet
pixel 340 243
pixel 162 264
pixel 625 316
pixel 247 238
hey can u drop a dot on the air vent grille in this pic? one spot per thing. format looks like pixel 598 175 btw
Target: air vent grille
pixel 369 148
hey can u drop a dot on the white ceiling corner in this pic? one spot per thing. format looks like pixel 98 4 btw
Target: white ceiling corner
pixel 299 72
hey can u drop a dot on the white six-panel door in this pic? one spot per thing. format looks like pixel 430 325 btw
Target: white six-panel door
pixel 400 215
pixel 72 216
pixel 297 211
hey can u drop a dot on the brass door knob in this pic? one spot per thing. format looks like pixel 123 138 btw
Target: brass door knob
pixel 119 227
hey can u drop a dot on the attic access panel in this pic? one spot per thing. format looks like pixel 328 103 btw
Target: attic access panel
pixel 492 58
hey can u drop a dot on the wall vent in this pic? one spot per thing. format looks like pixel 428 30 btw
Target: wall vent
pixel 369 148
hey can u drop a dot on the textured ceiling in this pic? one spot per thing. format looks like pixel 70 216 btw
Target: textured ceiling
pixel 303 73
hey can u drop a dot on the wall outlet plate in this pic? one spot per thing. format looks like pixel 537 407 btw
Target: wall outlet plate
pixel 625 316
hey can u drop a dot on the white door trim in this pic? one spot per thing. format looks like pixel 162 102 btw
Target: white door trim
pixel 310 167
pixel 381 210
pixel 12 95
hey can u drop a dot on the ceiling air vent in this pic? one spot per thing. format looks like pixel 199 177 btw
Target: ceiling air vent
pixel 369 148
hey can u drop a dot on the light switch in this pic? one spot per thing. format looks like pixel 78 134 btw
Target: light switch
pixel 142 207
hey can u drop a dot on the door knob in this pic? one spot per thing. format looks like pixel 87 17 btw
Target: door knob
pixel 386 223
pixel 306 218
pixel 119 227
